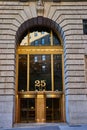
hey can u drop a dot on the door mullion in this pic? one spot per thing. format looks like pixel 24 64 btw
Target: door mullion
pixel 51 34
pixel 52 74
pixel 28 72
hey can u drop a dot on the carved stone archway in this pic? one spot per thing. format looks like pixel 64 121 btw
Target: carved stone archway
pixel 40 22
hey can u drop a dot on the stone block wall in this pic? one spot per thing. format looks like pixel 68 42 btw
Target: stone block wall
pixel 69 16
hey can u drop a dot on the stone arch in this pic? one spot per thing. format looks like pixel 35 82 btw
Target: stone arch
pixel 40 22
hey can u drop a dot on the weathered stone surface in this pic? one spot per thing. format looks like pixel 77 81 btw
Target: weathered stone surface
pixel 6 111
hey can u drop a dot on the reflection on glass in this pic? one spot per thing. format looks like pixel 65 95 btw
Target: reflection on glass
pixel 40 73
pixel 52 110
pixel 24 41
pixel 43 57
pixel 36 43
pixel 22 74
pixel 35 34
pixel 40 38
pixel 57 72
pixel 43 41
pixel 27 113
pixel 37 38
pixel 56 41
pixel 35 58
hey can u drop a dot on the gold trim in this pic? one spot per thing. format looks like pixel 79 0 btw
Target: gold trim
pixel 53 96
pixel 28 71
pixel 40 50
pixel 26 95
pixel 40 96
pixel 52 74
pixel 48 94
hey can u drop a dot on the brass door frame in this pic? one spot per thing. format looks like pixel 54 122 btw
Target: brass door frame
pixel 26 97
pixel 40 50
pixel 39 96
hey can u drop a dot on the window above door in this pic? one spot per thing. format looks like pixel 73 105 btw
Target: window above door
pixel 40 38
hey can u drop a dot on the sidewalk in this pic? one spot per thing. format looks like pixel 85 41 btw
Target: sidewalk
pixel 48 126
pixel 73 127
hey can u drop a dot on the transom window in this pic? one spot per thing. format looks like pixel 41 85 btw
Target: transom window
pixel 42 38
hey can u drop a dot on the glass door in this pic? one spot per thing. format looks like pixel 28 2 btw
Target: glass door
pixel 53 110
pixel 27 110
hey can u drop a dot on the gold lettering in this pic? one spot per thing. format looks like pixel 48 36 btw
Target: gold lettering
pixel 40 83
pixel 37 83
pixel 43 83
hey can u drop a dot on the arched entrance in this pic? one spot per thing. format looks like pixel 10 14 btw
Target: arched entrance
pixel 39 96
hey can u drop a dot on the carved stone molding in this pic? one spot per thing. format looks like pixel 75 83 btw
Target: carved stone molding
pixel 40 8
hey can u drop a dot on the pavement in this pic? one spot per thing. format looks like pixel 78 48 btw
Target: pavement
pixel 48 126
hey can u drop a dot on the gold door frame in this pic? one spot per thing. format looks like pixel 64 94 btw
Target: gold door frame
pixel 40 50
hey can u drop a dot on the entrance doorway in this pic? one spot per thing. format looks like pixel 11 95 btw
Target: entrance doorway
pixel 40 109
pixel 53 113
pixel 40 78
pixel 27 110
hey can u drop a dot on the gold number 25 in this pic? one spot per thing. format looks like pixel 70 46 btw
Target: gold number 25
pixel 39 83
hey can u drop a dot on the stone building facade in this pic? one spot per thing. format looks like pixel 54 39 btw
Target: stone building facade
pixel 66 18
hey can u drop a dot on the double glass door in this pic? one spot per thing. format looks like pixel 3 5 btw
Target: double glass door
pixel 40 109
